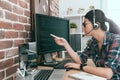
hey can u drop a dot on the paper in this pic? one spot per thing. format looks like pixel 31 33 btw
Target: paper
pixel 85 76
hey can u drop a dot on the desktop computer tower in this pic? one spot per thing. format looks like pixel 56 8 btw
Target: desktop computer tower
pixel 27 55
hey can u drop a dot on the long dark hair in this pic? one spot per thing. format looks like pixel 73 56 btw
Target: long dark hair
pixel 101 18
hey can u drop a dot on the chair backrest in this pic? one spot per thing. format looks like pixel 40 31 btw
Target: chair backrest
pixel 113 27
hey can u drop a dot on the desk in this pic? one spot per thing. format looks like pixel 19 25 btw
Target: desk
pixel 70 71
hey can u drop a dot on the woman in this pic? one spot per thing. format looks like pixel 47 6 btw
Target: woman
pixel 103 48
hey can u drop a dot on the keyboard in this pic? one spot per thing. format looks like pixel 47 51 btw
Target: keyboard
pixel 61 64
pixel 43 75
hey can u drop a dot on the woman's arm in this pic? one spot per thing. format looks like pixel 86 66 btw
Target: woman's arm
pixel 99 71
pixel 72 53
pixel 64 43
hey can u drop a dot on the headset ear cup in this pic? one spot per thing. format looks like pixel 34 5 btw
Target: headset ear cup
pixel 96 25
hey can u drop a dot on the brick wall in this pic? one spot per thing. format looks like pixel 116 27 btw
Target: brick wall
pixel 14 30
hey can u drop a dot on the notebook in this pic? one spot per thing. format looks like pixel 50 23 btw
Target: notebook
pixel 85 76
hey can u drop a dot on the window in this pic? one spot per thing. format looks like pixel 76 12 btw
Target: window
pixel 113 11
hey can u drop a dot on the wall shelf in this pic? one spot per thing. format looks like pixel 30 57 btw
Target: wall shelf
pixel 80 41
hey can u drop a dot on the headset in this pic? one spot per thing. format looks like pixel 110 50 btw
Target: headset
pixel 95 25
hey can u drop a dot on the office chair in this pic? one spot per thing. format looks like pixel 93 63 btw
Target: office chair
pixel 113 27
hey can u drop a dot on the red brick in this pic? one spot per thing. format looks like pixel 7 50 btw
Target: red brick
pixel 28 6
pixel 11 70
pixel 27 13
pixel 16 60
pixel 22 4
pixel 6 63
pixel 18 42
pixel 5 25
pixel 23 19
pixel 28 21
pixel 27 27
pixel 13 1
pixel 1 14
pixel 27 40
pixel 11 16
pixel 11 34
pixel 2 54
pixel 6 44
pixel 18 10
pixel 10 78
pixel 11 52
pixel 1 65
pixel 2 34
pixel 18 26
pixel 23 34
pixel 5 5
pixel 2 75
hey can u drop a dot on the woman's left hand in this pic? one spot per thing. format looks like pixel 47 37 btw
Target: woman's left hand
pixel 72 65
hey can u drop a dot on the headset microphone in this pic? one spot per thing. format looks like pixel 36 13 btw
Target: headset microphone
pixel 88 32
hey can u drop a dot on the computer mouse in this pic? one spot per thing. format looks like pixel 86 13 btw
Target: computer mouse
pixel 67 69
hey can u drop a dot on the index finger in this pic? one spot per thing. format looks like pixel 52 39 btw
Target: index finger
pixel 53 36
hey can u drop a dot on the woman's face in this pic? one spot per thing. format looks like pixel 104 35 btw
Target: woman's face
pixel 87 26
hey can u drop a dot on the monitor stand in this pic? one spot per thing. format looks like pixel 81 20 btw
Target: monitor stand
pixel 48 60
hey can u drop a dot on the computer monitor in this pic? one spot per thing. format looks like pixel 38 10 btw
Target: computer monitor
pixel 46 25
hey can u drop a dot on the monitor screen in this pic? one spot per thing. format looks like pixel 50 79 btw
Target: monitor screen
pixel 46 25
